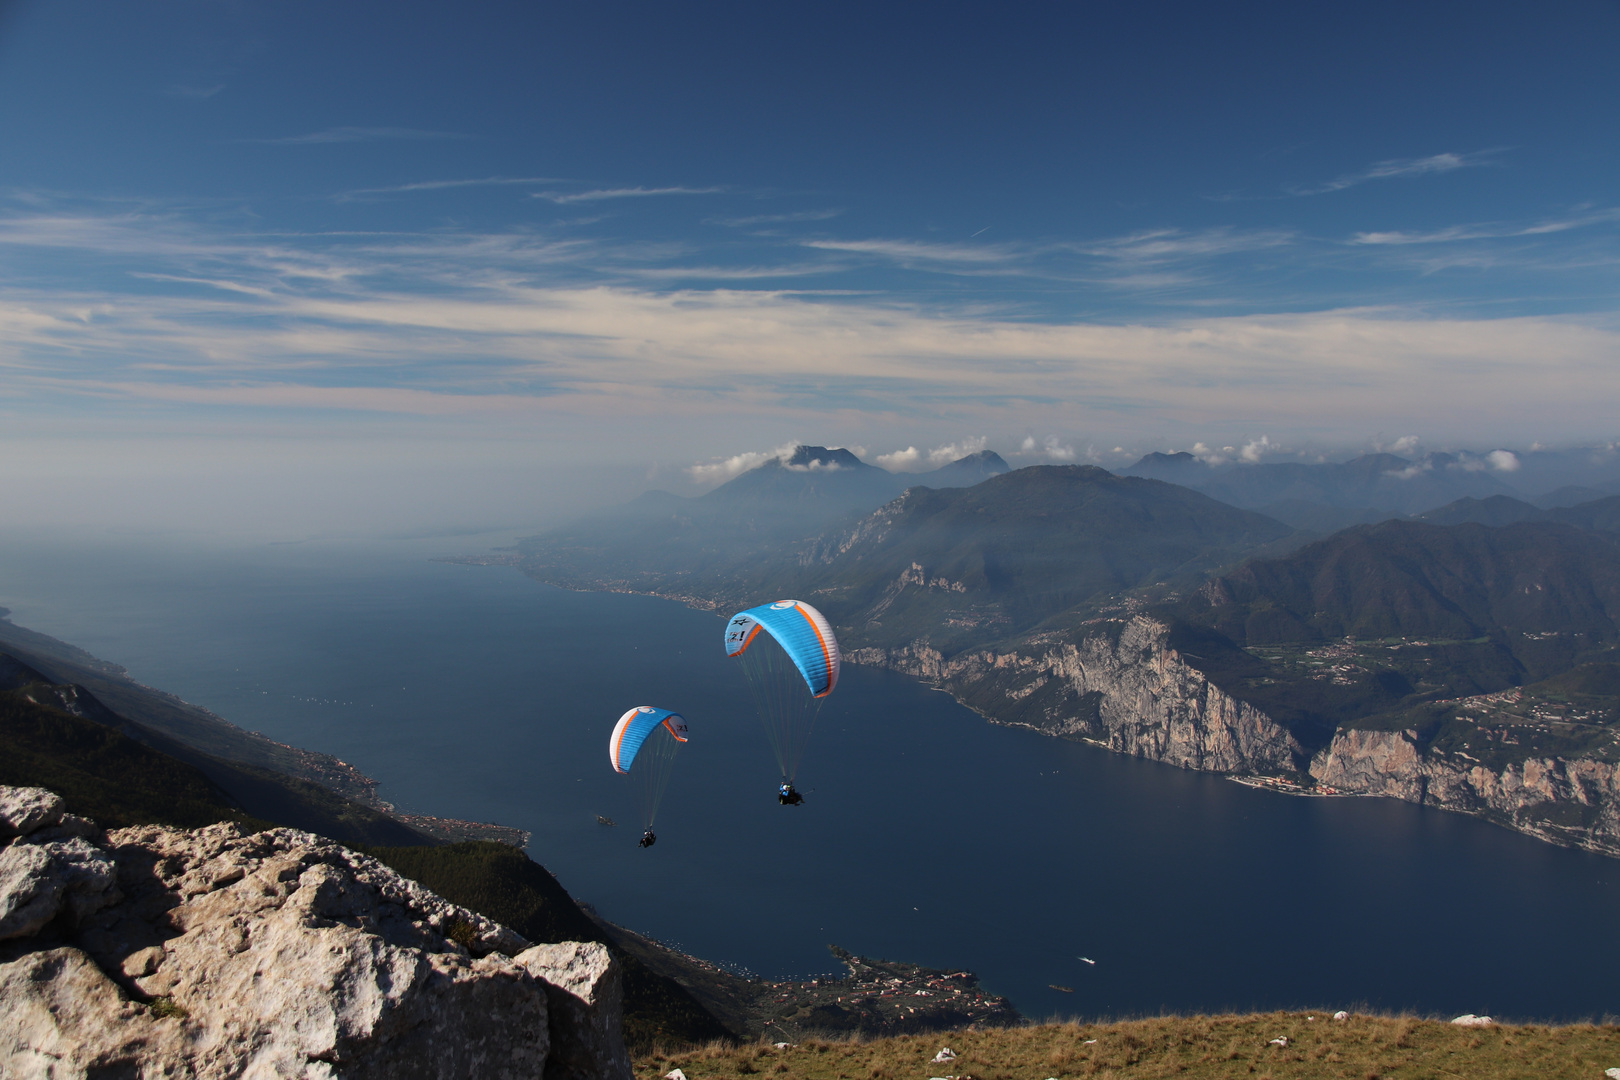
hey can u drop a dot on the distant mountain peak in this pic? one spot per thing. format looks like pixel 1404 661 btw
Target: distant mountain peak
pixel 1181 459
pixel 1491 510
pixel 987 459
pixel 1033 476
pixel 964 471
pixel 820 457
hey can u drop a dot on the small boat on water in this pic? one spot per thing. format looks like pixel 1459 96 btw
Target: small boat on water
pixel 600 820
pixel 1061 989
pixel 1086 959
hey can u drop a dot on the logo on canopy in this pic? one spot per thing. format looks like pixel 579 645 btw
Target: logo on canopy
pixel 780 604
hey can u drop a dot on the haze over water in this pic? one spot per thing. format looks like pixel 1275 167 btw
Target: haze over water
pixel 928 835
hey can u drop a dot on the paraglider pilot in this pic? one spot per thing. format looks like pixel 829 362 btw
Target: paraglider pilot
pixel 790 668
pixel 648 737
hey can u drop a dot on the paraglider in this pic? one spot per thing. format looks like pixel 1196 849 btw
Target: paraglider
pixel 789 671
pixel 647 737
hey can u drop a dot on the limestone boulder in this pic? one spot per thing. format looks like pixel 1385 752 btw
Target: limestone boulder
pixel 26 809
pixel 584 994
pixel 38 882
pixel 218 952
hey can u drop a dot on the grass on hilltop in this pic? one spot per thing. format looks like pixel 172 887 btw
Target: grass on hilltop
pixel 1188 1048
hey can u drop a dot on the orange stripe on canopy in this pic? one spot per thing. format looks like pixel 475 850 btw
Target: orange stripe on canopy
pixel 825 653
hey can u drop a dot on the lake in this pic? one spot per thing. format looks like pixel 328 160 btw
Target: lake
pixel 928 834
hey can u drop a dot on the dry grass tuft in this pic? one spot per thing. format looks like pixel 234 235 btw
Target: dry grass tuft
pixel 1186 1048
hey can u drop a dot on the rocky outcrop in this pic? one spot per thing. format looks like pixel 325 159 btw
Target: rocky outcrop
pixel 159 952
pixel 24 810
pixel 583 993
pixel 1122 687
pixel 1575 802
pixel 43 880
pixel 1125 688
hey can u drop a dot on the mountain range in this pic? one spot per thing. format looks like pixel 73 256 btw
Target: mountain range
pixel 1157 619
pixel 1372 481
pixel 727 533
pixel 997 559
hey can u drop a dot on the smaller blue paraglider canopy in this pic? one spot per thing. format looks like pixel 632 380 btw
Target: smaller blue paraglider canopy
pixel 803 633
pixel 633 728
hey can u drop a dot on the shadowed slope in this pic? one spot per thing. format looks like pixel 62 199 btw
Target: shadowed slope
pixel 1007 553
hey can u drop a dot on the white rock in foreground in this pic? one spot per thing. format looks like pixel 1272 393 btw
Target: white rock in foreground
pixel 39 881
pixel 26 809
pixel 1470 1020
pixel 583 994
pixel 215 953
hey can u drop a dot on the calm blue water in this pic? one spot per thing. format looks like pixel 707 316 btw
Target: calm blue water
pixel 928 835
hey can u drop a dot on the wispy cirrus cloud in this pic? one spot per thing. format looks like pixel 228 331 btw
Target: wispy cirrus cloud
pixel 699 272
pixel 921 252
pixel 445 185
pixel 355 134
pixel 1491 231
pixel 522 324
pixel 565 198
pixel 774 219
pixel 1167 245
pixel 1144 261
pixel 1403 167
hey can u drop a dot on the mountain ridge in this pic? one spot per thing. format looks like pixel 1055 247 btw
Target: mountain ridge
pixel 1036 610
pixel 1378 481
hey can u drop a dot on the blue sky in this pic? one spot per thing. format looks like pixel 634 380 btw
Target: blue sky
pixel 349 251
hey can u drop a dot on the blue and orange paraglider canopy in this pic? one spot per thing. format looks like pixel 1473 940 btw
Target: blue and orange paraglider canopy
pixel 631 732
pixel 803 634
pixel 644 741
pixel 791 658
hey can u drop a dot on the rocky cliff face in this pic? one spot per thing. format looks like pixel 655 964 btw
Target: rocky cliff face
pixel 1125 688
pixel 1122 687
pixel 1575 802
pixel 158 952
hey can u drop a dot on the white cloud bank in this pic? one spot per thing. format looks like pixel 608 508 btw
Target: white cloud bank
pixel 1251 452
pixel 1049 449
pixel 722 469
pixel 912 459
pixel 613 350
pixel 498 330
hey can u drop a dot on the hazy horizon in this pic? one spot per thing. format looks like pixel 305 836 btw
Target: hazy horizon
pixel 303 494
pixel 282 271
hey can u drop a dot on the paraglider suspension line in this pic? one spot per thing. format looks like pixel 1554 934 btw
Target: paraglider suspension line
pixel 783 700
pixel 653 766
